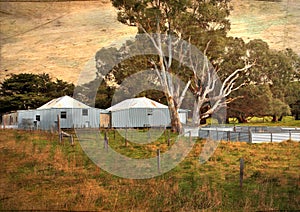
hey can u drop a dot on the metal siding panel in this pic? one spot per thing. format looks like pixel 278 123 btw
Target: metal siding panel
pixel 182 117
pixel 295 136
pixel 260 137
pixel 138 117
pixel 278 137
pixel 120 118
pixel 26 114
pixel 160 117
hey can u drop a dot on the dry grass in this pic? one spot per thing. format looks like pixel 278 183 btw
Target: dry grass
pixel 37 173
pixel 59 38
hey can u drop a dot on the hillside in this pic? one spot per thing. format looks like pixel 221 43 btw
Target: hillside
pixel 59 38
pixel 277 22
pixel 55 37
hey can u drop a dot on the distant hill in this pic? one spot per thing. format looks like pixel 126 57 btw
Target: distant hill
pixel 60 37
pixel 275 21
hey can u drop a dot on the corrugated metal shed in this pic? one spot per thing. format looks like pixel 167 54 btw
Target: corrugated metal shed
pixel 141 112
pixel 69 118
pixel 71 113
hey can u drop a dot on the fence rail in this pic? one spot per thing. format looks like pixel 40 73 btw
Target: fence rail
pixel 250 134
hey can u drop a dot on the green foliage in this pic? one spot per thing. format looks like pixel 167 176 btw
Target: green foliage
pixel 272 79
pixel 29 91
pixel 259 101
pixel 273 84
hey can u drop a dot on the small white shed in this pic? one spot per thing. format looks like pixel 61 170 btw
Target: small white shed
pixel 71 112
pixel 141 112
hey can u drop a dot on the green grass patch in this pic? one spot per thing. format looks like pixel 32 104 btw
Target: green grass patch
pixel 267 121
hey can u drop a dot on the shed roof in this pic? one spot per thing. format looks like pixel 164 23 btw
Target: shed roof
pixel 141 102
pixel 64 102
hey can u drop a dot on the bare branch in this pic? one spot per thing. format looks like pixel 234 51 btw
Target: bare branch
pixel 183 93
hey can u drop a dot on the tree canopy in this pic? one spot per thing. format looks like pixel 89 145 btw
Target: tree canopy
pixel 205 24
pixel 29 91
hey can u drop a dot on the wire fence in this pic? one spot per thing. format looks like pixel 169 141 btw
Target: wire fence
pixel 250 134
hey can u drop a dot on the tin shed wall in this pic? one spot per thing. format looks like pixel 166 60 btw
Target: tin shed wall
pixel 183 116
pixel 10 120
pixel 74 118
pixel 26 119
pixel 140 117
pixel 160 117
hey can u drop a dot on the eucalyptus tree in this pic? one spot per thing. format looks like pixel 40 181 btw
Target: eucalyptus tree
pixel 205 25
pixel 272 83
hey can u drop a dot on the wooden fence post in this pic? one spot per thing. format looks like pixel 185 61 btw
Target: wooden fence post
pixel 158 160
pixel 126 136
pixel 105 141
pixel 149 136
pixel 241 172
pixel 167 137
pixel 71 140
pixel 271 137
pixel 58 129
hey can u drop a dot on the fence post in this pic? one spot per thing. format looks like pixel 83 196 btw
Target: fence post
pixel 105 141
pixel 158 160
pixel 72 140
pixel 148 133
pixel 168 139
pixel 241 172
pixel 290 135
pixel 250 137
pixel 228 136
pixel 190 136
pixel 271 137
pixel 126 136
pixel 58 129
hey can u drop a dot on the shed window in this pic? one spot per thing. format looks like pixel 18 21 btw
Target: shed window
pixel 63 114
pixel 38 117
pixel 85 112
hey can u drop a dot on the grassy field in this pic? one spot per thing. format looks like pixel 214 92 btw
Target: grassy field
pixel 38 173
pixel 287 121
